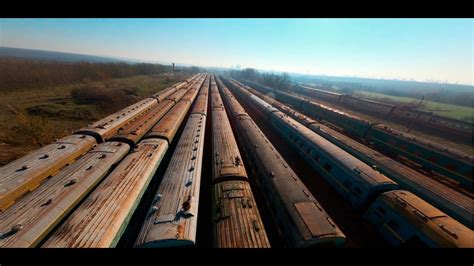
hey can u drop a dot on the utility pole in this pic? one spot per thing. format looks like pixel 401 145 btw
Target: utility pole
pixel 422 98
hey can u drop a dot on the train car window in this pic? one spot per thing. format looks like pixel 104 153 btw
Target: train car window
pixel 414 242
pixel 347 183
pixel 451 167
pixel 316 157
pixel 357 191
pixel 327 167
pixel 393 225
pixel 380 212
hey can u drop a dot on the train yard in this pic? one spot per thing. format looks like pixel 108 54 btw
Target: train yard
pixel 218 162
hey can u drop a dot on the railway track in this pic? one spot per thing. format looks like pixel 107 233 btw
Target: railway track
pixel 101 186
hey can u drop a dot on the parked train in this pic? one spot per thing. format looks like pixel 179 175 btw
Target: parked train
pixel 400 216
pixel 235 216
pixel 172 219
pixel 454 203
pixel 430 156
pixel 407 114
pixel 28 221
pixel 104 215
pixel 301 220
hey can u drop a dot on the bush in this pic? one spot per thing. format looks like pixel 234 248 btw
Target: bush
pixel 105 98
pixel 33 130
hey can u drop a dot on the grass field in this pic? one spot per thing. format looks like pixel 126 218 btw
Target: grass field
pixel 443 109
pixel 31 118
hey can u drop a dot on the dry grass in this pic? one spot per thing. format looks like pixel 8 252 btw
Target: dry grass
pixel 35 117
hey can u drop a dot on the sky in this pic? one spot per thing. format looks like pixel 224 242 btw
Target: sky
pixel 439 50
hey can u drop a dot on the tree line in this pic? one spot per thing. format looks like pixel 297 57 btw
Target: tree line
pixel 27 73
pixel 279 82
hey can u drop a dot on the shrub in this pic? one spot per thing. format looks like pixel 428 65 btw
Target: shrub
pixel 105 98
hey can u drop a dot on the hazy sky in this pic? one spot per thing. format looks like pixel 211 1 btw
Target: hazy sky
pixel 420 49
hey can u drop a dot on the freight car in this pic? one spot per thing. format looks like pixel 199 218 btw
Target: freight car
pixel 316 150
pixel 430 156
pixel 301 220
pixel 235 216
pixel 172 218
pixel 103 216
pixel 454 203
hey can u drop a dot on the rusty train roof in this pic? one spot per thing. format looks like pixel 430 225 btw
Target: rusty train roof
pixel 108 126
pixel 226 157
pixel 38 212
pixel 311 220
pixel 101 219
pixel 321 91
pixel 338 156
pixel 170 123
pixel 461 205
pixel 394 132
pixel 235 108
pixel 237 221
pixel 444 230
pixel 427 144
pixel 137 128
pixel 26 173
pixel 200 104
pixel 309 101
pixel 172 220
pixel 335 154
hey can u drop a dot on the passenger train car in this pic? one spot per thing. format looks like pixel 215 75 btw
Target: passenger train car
pixel 429 156
pixel 301 220
pixel 103 216
pixel 414 218
pixel 454 203
pixel 235 216
pixel 172 218
pixel 28 221
pixel 406 114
